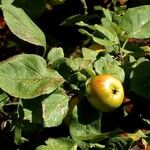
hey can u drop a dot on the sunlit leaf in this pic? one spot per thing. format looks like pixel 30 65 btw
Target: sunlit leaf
pixel 89 54
pixel 102 41
pixel 48 110
pixel 59 143
pixel 107 14
pixel 110 35
pixel 6 2
pixel 54 54
pixel 55 108
pixel 80 63
pixel 136 22
pixel 106 65
pixel 22 26
pixel 113 28
pixel 82 24
pixel 26 76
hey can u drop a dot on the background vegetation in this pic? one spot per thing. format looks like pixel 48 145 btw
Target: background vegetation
pixel 49 49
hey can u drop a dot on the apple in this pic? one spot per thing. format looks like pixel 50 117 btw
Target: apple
pixel 104 92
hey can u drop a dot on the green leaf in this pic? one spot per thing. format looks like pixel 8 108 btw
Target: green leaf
pixel 137 62
pixel 102 41
pixel 78 64
pixel 62 65
pixel 146 121
pixel 28 114
pixel 72 20
pixel 55 108
pixel 86 33
pixel 88 72
pixel 85 122
pixel 26 76
pixel 82 24
pixel 17 135
pixel 47 110
pixel 106 65
pixel 97 146
pixel 22 26
pixel 67 66
pixel 140 79
pixel 113 28
pixel 59 143
pixel 107 14
pixel 89 54
pixel 7 2
pixel 118 143
pixel 136 22
pixel 110 35
pixel 54 54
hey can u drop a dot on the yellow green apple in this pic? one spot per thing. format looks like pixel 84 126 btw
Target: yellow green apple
pixel 104 92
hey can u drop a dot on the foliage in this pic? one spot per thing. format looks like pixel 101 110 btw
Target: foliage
pixel 37 86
